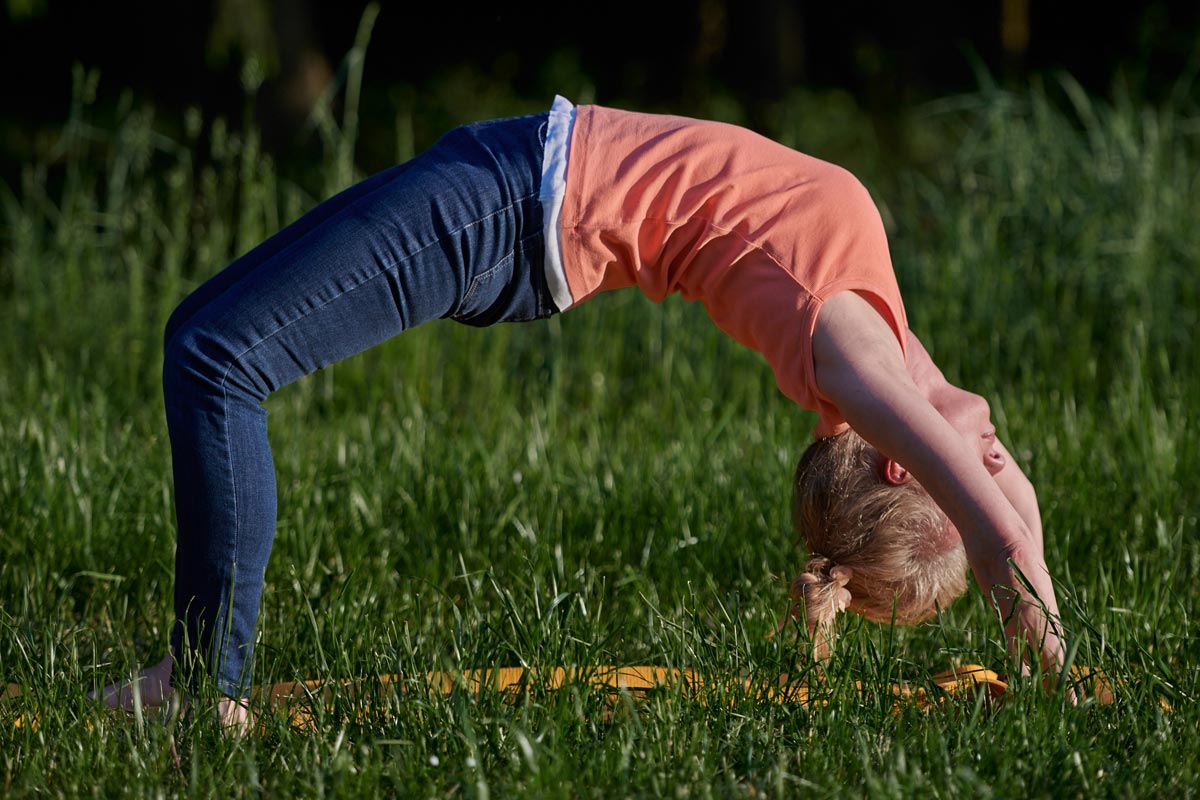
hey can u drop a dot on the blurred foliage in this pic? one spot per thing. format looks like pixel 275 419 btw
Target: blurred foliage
pixel 25 9
pixel 242 29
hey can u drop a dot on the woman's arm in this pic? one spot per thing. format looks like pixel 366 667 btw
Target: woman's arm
pixel 954 403
pixel 860 368
pixel 1020 493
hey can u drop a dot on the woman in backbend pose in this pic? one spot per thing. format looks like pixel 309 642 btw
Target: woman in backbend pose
pixel 517 219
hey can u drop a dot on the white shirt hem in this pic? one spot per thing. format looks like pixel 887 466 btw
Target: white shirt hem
pixel 551 193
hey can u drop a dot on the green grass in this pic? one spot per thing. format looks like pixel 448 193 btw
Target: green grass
pixel 611 486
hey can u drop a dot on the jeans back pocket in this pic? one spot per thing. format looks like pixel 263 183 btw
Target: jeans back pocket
pixel 512 290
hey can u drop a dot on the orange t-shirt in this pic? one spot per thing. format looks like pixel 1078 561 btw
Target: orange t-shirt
pixel 760 234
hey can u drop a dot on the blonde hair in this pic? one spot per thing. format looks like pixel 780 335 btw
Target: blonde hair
pixel 878 549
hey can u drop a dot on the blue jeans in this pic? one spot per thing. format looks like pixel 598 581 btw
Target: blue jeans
pixel 455 232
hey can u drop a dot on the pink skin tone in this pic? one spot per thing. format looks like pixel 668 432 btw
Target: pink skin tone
pixel 943 437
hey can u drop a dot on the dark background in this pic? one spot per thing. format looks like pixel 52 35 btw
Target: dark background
pixel 651 55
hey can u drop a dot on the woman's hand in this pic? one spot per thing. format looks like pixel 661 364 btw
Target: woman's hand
pixel 151 688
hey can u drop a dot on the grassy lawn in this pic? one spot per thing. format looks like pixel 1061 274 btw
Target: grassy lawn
pixel 608 487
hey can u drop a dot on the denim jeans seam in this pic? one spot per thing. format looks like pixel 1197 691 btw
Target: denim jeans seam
pixel 218 626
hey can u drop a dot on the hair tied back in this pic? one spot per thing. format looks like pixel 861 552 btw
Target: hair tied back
pixel 821 594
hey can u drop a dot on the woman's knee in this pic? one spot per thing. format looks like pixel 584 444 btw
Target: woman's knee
pixel 180 315
pixel 198 360
pixel 183 366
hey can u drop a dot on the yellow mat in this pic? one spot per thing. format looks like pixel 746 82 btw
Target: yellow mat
pixel 297 700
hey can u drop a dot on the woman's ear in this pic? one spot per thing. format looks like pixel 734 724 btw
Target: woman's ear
pixel 895 474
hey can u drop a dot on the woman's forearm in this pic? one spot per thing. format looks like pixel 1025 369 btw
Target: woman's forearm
pixel 1020 492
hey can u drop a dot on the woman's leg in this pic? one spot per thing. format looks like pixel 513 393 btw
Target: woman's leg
pixel 288 236
pixel 456 232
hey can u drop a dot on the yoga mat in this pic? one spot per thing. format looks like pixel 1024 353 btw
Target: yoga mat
pixel 298 700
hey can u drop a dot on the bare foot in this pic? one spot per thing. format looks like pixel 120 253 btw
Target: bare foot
pixel 235 716
pixel 151 689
